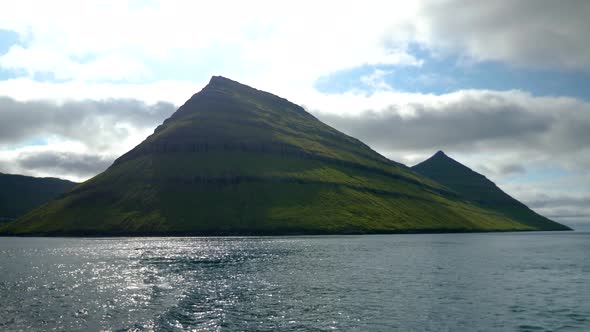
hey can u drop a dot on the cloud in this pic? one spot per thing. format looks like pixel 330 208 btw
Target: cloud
pixel 512 169
pixel 375 80
pixel 261 39
pixel 97 124
pixel 27 89
pixel 472 121
pixel 78 165
pixel 543 200
pixel 267 44
pixel 62 159
pixel 557 205
pixel 74 139
pixel 542 33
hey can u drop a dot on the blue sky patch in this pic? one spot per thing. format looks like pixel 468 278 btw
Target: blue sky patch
pixel 6 74
pixel 7 39
pixel 444 74
pixel 38 141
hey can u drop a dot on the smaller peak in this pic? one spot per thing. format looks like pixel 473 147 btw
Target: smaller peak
pixel 440 153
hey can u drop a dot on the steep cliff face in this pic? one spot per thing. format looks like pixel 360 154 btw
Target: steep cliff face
pixel 236 160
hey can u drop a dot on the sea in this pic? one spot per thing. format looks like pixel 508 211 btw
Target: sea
pixel 533 281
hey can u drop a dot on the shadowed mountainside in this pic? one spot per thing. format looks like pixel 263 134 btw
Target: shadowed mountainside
pixel 236 160
pixel 19 193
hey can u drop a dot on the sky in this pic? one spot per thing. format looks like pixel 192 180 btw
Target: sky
pixel 501 86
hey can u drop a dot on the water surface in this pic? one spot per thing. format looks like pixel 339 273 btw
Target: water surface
pixel 442 282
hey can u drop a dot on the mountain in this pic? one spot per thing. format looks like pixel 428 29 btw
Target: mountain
pixel 236 160
pixel 19 194
pixel 481 191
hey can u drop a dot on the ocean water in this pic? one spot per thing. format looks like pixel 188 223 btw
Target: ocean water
pixel 443 282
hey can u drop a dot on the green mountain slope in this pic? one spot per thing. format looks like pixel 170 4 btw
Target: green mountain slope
pixel 236 160
pixel 481 191
pixel 19 194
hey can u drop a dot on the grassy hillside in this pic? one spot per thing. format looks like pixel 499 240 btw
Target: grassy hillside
pixel 19 194
pixel 481 191
pixel 236 160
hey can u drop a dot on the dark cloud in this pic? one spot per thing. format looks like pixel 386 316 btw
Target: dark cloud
pixel 467 123
pixel 546 201
pixel 103 127
pixel 566 213
pixel 98 124
pixel 475 121
pixel 512 169
pixel 525 32
pixel 74 164
pixel 559 205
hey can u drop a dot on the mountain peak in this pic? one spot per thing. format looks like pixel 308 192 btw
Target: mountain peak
pixel 478 189
pixel 440 157
pixel 440 153
pixel 220 80
pixel 224 83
